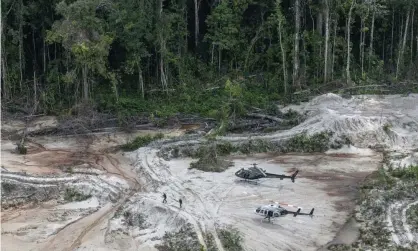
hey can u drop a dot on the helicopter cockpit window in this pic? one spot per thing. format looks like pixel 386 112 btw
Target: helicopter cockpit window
pixel 257 210
pixel 262 211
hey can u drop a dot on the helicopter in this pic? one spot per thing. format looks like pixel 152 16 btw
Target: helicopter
pixel 255 173
pixel 273 211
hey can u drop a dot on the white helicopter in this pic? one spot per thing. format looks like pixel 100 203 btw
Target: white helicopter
pixel 274 210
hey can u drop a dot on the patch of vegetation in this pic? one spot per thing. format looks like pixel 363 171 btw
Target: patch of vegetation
pixel 257 146
pixel 134 220
pixel 409 173
pixel 273 109
pixel 74 195
pixel 291 114
pixel 7 187
pixel 183 240
pixel 318 142
pixel 21 149
pixel 141 141
pixel 210 160
pixel 375 232
pixel 384 188
pixel 230 238
pixel 340 142
pixel 210 242
pixel 387 127
pixel 412 217
pixel 339 247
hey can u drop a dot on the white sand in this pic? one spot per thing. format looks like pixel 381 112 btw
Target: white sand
pixel 136 181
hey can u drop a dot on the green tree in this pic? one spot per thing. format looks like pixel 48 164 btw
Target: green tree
pixel 134 27
pixel 84 34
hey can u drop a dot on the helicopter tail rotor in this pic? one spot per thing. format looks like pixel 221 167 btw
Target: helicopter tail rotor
pixel 311 213
pixel 294 176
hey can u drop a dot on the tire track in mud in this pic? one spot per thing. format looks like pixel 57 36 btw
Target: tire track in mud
pixel 77 242
pixel 115 163
pixel 71 235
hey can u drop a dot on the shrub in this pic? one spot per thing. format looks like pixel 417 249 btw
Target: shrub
pixel 230 238
pixel 74 195
pixel 412 217
pixel 318 142
pixel 386 128
pixel 136 220
pixel 21 149
pixel 209 160
pixel 408 173
pixel 8 187
pixel 183 240
pixel 141 141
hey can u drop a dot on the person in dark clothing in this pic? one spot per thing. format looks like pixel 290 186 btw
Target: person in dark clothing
pixel 164 198
pixel 181 202
pixel 269 215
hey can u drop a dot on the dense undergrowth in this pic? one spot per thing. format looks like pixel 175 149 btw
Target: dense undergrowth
pixel 186 239
pixel 412 217
pixel 206 103
pixel 209 160
pixel 74 195
pixel 211 154
pixel 230 238
pixel 141 141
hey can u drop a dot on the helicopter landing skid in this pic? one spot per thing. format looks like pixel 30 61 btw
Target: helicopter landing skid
pixel 255 182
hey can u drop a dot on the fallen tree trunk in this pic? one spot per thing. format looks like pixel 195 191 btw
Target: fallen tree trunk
pixel 250 125
pixel 263 116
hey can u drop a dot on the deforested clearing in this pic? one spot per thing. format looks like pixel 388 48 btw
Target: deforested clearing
pixel 73 193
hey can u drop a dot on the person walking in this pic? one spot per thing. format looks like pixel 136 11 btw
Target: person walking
pixel 181 202
pixel 164 198
pixel 269 215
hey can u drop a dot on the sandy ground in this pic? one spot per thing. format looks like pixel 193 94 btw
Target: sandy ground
pixel 62 226
pixel 326 182
pixel 135 181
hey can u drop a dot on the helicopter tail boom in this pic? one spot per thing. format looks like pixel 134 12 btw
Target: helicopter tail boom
pixel 281 176
pixel 299 213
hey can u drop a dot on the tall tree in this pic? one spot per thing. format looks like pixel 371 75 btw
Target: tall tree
pixel 372 33
pixel 402 49
pixel 326 52
pixel 134 27
pixel 281 21
pixel 296 66
pixel 196 22
pixel 412 35
pixel 21 52
pixel 83 34
pixel 352 4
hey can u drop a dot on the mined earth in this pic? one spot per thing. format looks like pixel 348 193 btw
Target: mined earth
pixel 81 193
